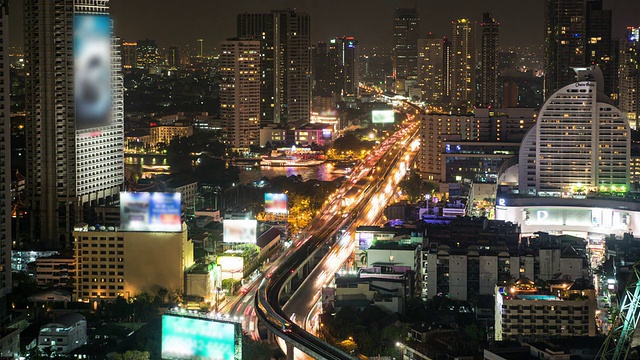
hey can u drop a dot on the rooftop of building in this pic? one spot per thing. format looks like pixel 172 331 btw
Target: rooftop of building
pixel 137 133
pixel 393 245
pixel 67 320
pixel 267 237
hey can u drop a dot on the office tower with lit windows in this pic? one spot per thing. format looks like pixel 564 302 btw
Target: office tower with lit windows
pixel 630 75
pixel 5 160
pixel 463 64
pixel 240 92
pixel 74 114
pixel 406 31
pixel 430 70
pixel 564 42
pixel 321 70
pixel 285 63
pixel 489 61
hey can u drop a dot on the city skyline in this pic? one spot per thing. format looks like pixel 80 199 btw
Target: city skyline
pixel 523 23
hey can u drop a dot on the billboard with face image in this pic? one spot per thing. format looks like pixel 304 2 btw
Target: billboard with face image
pixel 92 70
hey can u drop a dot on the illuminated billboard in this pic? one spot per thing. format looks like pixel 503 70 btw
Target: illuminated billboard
pixel 92 70
pixel 200 338
pixel 382 116
pixel 275 203
pixel 239 231
pixel 145 211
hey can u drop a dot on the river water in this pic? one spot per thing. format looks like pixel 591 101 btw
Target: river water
pixel 248 174
pixel 323 172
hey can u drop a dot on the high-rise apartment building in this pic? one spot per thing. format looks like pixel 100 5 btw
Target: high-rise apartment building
pixel 580 141
pixel 489 61
pixel 5 160
pixel 406 29
pixel 240 92
pixel 430 70
pixel 285 63
pixel 74 114
pixel 564 42
pixel 463 64
pixel 630 76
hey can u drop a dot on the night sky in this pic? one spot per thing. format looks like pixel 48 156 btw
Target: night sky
pixel 172 22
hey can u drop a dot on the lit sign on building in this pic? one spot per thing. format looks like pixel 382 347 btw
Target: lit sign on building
pixel 382 116
pixel 92 67
pixel 145 211
pixel 196 338
pixel 239 231
pixel 275 203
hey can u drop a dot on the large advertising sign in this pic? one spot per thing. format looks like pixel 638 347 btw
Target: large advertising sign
pixel 275 203
pixel 382 116
pixel 239 231
pixel 145 211
pixel 194 338
pixel 92 68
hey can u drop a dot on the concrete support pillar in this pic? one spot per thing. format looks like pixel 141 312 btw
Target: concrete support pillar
pixel 289 351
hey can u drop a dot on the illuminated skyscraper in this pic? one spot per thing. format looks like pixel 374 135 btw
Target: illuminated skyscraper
pixel 430 70
pixel 350 64
pixel 240 92
pixel 5 160
pixel 489 61
pixel 147 56
pixel 630 76
pixel 285 63
pixel 564 42
pixel 406 29
pixel 463 64
pixel 74 114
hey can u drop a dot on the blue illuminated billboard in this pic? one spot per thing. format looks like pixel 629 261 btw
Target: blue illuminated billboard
pixel 200 338
pixel 92 70
pixel 275 203
pixel 143 211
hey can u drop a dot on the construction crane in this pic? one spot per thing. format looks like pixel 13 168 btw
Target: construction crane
pixel 617 344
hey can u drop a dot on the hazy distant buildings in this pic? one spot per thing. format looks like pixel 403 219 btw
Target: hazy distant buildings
pixel 240 92
pixel 406 28
pixel 147 56
pixel 489 61
pixel 564 42
pixel 74 114
pixel 431 62
pixel 463 64
pixel 630 75
pixel 5 160
pixel 285 63
pixel 129 51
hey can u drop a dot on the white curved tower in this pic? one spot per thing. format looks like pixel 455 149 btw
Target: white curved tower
pixel 581 142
